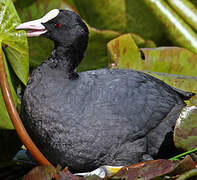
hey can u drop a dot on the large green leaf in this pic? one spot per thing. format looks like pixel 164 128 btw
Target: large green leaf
pixel 124 53
pixel 14 51
pixel 120 15
pixel 172 60
pixel 15 41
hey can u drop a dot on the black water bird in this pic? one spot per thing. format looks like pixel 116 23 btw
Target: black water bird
pixel 93 118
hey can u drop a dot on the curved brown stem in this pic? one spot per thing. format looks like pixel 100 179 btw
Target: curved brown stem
pixel 14 116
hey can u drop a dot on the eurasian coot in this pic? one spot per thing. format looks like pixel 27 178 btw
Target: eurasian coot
pixel 93 118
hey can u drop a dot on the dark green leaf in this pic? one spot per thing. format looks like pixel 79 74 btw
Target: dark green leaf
pixel 133 16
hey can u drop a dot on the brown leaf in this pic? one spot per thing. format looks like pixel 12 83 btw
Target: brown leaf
pixel 147 170
pixel 41 173
pixel 67 175
pixel 185 165
pixel 155 168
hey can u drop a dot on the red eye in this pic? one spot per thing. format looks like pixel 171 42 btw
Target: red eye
pixel 58 25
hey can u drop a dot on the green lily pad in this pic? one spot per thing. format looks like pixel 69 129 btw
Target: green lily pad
pixel 124 52
pixel 185 133
pixel 172 60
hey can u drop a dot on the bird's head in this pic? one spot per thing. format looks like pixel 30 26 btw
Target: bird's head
pixel 61 26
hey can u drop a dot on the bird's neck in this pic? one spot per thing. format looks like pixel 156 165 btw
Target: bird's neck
pixel 65 58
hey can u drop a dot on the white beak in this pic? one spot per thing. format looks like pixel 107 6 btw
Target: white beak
pixel 36 28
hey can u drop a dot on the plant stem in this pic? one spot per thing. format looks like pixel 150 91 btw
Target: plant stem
pixel 14 116
pixel 183 154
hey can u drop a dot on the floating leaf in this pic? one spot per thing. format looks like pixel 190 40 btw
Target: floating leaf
pixel 155 169
pixel 65 174
pixel 172 60
pixel 124 53
pixel 41 173
pixel 147 170
pixel 185 134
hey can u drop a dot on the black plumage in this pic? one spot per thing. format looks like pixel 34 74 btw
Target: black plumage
pixel 93 118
